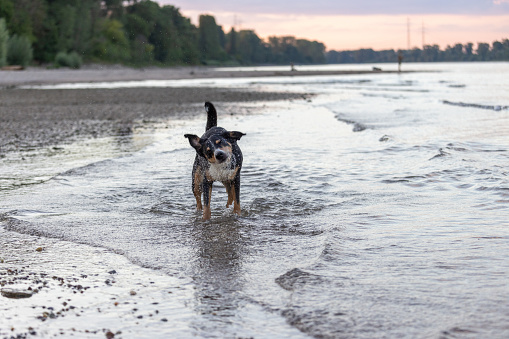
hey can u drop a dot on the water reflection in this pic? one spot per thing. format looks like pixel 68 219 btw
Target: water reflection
pixel 217 271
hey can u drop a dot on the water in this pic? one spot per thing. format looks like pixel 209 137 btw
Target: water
pixel 377 209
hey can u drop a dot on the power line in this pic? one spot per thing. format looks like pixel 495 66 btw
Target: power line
pixel 423 35
pixel 408 33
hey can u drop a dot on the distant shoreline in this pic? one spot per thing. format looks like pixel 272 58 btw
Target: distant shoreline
pixel 97 73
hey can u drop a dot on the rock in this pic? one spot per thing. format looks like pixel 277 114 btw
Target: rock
pixel 15 294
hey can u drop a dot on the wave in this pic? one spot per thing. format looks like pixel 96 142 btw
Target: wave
pixel 474 105
pixel 357 126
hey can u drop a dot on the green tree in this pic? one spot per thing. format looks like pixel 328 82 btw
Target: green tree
pixel 505 55
pixel 454 53
pixel 6 10
pixel 313 52
pixel 178 37
pixel 19 51
pixel 469 52
pixel 135 25
pixel 69 26
pixel 84 25
pixel 251 48
pixel 166 35
pixel 140 25
pixel 231 43
pixel 114 8
pixel 4 37
pixel 208 39
pixel 112 44
pixel 483 50
pixel 498 51
pixel 283 49
pixel 188 38
pixel 430 53
pixel 141 32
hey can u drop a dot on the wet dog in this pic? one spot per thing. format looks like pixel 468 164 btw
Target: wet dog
pixel 218 158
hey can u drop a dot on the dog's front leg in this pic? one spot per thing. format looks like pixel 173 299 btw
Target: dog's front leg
pixel 197 187
pixel 236 194
pixel 207 193
pixel 229 190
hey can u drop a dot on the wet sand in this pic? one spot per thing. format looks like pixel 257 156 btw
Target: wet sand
pixel 34 118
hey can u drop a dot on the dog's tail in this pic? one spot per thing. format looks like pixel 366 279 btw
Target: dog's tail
pixel 211 115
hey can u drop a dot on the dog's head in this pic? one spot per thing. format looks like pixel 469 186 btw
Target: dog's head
pixel 216 145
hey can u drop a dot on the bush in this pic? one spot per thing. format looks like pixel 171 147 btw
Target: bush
pixel 71 60
pixel 76 60
pixel 4 37
pixel 19 51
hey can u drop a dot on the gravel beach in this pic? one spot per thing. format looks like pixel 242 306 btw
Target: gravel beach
pixel 92 293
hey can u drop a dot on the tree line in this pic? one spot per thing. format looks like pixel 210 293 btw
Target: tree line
pixel 497 51
pixel 141 32
pixel 135 32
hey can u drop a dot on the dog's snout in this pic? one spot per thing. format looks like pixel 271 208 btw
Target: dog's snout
pixel 221 155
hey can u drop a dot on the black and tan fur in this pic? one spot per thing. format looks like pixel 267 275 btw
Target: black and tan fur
pixel 218 158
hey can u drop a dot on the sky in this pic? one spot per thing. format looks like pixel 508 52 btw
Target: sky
pixel 349 25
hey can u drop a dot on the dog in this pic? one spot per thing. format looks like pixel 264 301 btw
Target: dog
pixel 218 158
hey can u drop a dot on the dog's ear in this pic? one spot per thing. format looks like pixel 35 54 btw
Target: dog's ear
pixel 233 135
pixel 194 140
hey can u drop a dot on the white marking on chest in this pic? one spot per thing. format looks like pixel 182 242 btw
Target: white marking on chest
pixel 222 172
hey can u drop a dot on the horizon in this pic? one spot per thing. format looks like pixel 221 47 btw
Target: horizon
pixel 351 26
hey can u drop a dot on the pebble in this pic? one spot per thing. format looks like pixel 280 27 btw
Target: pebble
pixel 16 294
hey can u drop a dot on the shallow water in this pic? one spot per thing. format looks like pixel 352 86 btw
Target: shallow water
pixel 378 209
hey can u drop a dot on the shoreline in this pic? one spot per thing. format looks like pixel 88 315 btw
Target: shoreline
pixel 31 118
pixel 34 118
pixel 34 76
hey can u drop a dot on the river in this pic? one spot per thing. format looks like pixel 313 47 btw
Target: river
pixel 377 209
